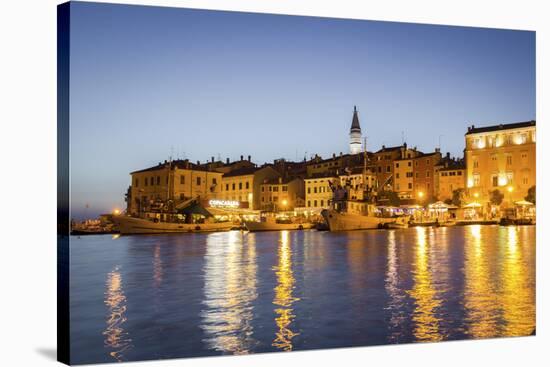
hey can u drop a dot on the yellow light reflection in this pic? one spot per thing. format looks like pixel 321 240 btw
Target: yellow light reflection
pixel 427 323
pixel 518 303
pixel 230 289
pixel 116 338
pixel 283 295
pixel 480 299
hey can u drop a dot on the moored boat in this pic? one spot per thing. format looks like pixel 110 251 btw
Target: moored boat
pixel 345 221
pixel 131 225
pixel 270 223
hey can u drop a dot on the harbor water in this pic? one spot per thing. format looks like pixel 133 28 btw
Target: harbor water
pixel 188 295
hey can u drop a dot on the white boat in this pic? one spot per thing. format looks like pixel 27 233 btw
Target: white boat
pixel 131 225
pixel 338 221
pixel 400 223
pixel 271 224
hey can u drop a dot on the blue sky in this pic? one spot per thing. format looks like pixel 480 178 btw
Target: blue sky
pixel 148 81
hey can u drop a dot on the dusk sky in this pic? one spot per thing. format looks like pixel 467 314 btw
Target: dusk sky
pixel 150 81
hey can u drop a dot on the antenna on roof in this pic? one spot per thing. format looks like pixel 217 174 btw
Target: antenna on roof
pixel 402 137
pixel 439 142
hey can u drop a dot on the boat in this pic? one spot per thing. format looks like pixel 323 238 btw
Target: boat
pixel 400 223
pixel 132 225
pixel 270 223
pixel 346 221
pixel 447 223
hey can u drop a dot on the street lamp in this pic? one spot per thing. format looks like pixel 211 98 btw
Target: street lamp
pixel 116 211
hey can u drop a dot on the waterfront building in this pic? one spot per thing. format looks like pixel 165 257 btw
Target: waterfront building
pixel 318 193
pixel 243 185
pixel 450 176
pixel 403 183
pixel 355 143
pixel 177 180
pixel 282 194
pixel 501 157
pixel 229 166
pixel 424 176
pixel 383 161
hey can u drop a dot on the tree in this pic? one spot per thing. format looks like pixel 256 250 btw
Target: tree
pixel 390 197
pixel 458 197
pixel 448 201
pixel 531 195
pixel 496 197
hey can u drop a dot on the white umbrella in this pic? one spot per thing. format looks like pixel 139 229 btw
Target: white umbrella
pixel 523 203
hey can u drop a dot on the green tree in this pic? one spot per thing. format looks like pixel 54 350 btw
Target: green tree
pixel 448 201
pixel 531 195
pixel 389 197
pixel 458 197
pixel 496 197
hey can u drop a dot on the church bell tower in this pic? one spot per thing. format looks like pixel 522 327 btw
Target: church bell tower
pixel 355 145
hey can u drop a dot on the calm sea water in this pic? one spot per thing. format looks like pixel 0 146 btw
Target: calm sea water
pixel 170 296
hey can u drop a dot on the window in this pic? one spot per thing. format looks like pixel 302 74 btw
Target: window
pixel 476 179
pixel 509 160
pixel 262 197
pixel 409 164
pixel 397 187
pixel 397 165
pixel 443 173
pixel 227 187
pixel 285 188
pixel 182 180
pixel 428 174
pixel 315 191
pixel 275 198
pixel 214 181
pixel 315 203
pixel 417 175
pixel 523 138
pixel 388 168
pixel 146 180
pixel 240 185
pixel 410 186
pixel 262 189
pixel 182 196
pixel 494 178
pixel 476 163
pixel 493 157
pixel 198 181
pixel 525 181
pixel 409 174
pixel 416 163
pixel 233 186
pixel 427 161
pixel 136 182
pixel 247 185
pixel 459 173
pixel 309 203
pixel 270 189
pixel 379 169
pixel 509 177
pixel 275 188
pixel 309 191
pixel 322 203
pixel 158 180
pixel 397 175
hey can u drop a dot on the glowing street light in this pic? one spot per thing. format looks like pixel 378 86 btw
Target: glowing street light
pixel 510 189
pixel 420 194
pixel 285 202
pixel 476 195
pixel 116 211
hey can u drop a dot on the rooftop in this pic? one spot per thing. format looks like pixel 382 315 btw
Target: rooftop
pixel 515 125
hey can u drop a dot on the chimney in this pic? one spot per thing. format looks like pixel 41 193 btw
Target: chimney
pixel 198 163
pixel 249 157
pixel 448 155
pixel 212 159
pixel 227 160
pixel 242 157
pixel 333 155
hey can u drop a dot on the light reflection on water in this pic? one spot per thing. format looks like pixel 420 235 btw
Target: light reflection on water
pixel 283 295
pixel 116 338
pixel 229 290
pixel 235 293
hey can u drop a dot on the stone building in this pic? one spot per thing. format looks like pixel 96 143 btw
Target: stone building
pixel 282 194
pixel 501 157
pixel 243 185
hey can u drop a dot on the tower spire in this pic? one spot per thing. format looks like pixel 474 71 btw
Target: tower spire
pixel 355 133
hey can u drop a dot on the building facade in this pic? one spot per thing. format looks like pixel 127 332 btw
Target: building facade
pixel 424 179
pixel 403 183
pixel 176 180
pixel 282 194
pixel 501 157
pixel 318 193
pixel 243 185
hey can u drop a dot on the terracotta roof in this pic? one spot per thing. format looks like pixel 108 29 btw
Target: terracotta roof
pixel 516 125
pixel 181 164
pixel 242 171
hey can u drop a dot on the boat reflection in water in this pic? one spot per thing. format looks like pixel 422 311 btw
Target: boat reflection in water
pixel 283 295
pixel 117 339
pixel 229 290
pixel 425 317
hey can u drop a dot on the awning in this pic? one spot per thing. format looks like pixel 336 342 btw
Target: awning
pixel 523 203
pixel 473 205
